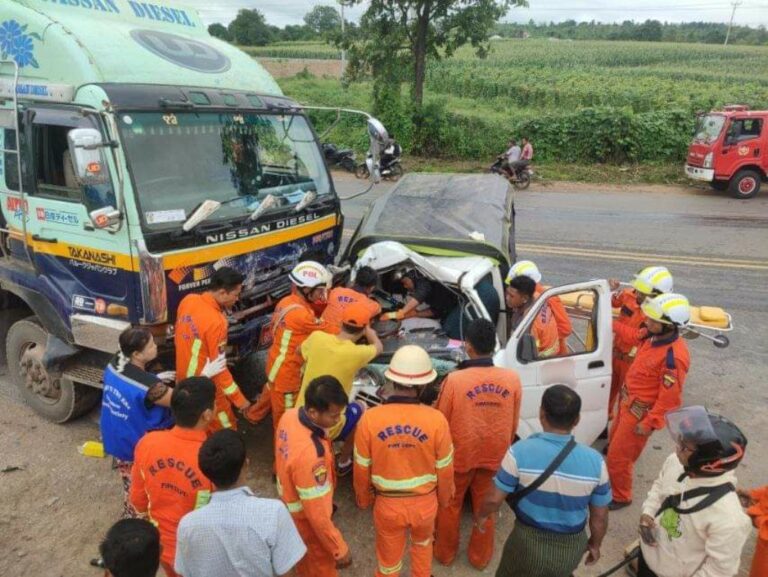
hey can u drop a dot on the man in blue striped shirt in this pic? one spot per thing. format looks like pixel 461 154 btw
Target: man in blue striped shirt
pixel 549 538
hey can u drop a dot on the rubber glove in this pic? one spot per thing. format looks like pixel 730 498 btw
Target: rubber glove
pixel 215 366
pixel 167 376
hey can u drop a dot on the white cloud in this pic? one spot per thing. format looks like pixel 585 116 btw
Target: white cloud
pixel 751 12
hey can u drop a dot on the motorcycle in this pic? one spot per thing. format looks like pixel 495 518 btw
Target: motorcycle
pixel 391 170
pixel 520 179
pixel 345 158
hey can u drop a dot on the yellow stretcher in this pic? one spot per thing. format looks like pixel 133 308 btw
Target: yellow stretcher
pixel 704 320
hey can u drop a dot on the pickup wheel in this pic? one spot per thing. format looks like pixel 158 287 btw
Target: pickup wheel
pixel 746 184
pixel 58 400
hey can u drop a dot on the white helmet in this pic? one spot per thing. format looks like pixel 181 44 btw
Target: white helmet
pixel 310 274
pixel 410 366
pixel 653 280
pixel 670 309
pixel 524 268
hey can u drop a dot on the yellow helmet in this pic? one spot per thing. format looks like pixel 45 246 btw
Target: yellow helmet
pixel 524 268
pixel 411 366
pixel 653 280
pixel 670 309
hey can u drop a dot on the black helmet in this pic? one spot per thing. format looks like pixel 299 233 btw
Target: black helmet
pixel 720 445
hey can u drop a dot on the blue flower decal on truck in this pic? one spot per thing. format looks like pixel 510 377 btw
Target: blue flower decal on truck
pixel 17 44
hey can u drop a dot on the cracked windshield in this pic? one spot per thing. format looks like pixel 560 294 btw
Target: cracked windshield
pixel 181 159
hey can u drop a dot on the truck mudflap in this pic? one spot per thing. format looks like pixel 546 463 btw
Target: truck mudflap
pixel 697 173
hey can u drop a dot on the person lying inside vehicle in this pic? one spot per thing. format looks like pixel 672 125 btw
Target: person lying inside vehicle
pixel 442 304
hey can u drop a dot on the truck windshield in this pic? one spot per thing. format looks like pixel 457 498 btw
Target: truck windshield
pixel 178 160
pixel 708 128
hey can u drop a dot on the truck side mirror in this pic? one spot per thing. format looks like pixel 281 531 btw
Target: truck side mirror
pixel 85 146
pixel 106 217
pixel 527 350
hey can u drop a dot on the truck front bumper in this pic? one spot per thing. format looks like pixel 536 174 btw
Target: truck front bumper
pixel 696 173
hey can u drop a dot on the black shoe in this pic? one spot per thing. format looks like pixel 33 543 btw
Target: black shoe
pixel 344 470
pixel 617 505
pixel 97 562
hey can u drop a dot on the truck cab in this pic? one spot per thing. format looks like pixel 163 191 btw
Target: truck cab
pixel 730 150
pixel 137 155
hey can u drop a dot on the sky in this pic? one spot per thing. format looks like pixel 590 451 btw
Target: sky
pixel 750 12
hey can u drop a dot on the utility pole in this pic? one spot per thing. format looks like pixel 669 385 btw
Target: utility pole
pixel 730 24
pixel 343 52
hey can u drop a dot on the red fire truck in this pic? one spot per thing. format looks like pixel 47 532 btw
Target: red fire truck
pixel 730 150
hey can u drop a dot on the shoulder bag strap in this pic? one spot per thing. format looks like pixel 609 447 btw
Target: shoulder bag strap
pixel 711 496
pixel 517 496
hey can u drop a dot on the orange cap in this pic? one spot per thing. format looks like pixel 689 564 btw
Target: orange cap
pixel 356 314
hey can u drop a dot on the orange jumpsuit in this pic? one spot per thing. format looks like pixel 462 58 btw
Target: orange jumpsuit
pixel 545 333
pixel 482 405
pixel 653 387
pixel 201 335
pixel 305 482
pixel 759 514
pixel 166 483
pixel 562 320
pixel 404 466
pixel 624 344
pixel 338 299
pixel 292 322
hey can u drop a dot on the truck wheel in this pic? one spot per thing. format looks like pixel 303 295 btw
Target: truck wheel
pixel 58 400
pixel 745 184
pixel 721 185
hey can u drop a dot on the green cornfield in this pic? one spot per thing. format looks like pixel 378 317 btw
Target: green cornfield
pixel 579 101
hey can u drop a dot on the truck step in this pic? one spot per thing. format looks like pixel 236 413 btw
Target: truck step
pixel 85 374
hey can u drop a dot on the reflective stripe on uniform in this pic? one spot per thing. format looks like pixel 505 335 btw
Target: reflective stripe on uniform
pixel 289 400
pixel 362 461
pixel 193 359
pixel 400 484
pixel 550 352
pixel 231 389
pixel 444 462
pixel 391 570
pixel 202 498
pixel 424 543
pixel 308 493
pixel 293 506
pixel 284 342
pixel 224 420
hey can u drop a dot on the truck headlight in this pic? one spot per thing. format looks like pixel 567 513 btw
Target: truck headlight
pixel 708 160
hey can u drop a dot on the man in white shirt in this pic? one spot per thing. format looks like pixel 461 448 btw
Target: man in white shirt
pixel 237 534
pixel 693 524
pixel 513 152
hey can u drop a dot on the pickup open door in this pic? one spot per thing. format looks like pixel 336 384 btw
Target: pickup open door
pixel 586 366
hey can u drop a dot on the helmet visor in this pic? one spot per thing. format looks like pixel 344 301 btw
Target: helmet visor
pixel 690 427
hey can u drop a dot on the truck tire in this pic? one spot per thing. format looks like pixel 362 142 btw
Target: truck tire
pixel 58 401
pixel 721 185
pixel 745 184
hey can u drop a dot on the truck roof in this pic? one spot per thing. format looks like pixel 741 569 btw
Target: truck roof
pixel 79 42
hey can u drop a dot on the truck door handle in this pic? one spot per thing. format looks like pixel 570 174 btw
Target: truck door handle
pixel 756 152
pixel 595 365
pixel 39 238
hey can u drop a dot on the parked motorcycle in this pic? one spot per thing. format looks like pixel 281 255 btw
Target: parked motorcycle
pixel 345 157
pixel 390 166
pixel 520 179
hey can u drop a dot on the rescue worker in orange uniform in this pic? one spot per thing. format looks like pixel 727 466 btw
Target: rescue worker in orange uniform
pixel 293 321
pixel 201 337
pixel 482 405
pixel 653 386
pixel 756 502
pixel 520 296
pixel 360 292
pixel 404 465
pixel 649 282
pixel 305 476
pixel 166 481
pixel 562 320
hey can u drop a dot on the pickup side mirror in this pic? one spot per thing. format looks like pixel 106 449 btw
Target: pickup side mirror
pixel 527 349
pixel 85 146
pixel 106 217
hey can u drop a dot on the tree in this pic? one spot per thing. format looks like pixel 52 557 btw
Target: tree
pixel 250 28
pixel 323 20
pixel 407 32
pixel 219 31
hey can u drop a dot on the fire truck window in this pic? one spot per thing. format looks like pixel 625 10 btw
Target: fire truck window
pixel 745 129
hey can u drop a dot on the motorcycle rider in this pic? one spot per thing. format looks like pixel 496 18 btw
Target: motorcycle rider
pixel 390 154
pixel 526 156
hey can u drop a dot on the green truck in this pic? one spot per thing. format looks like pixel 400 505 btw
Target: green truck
pixel 138 154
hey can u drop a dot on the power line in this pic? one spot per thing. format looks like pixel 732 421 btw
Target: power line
pixel 730 24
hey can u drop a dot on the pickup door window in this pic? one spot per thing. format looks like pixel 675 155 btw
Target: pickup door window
pixel 582 360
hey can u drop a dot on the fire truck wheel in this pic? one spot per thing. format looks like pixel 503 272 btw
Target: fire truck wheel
pixel 57 399
pixel 745 184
